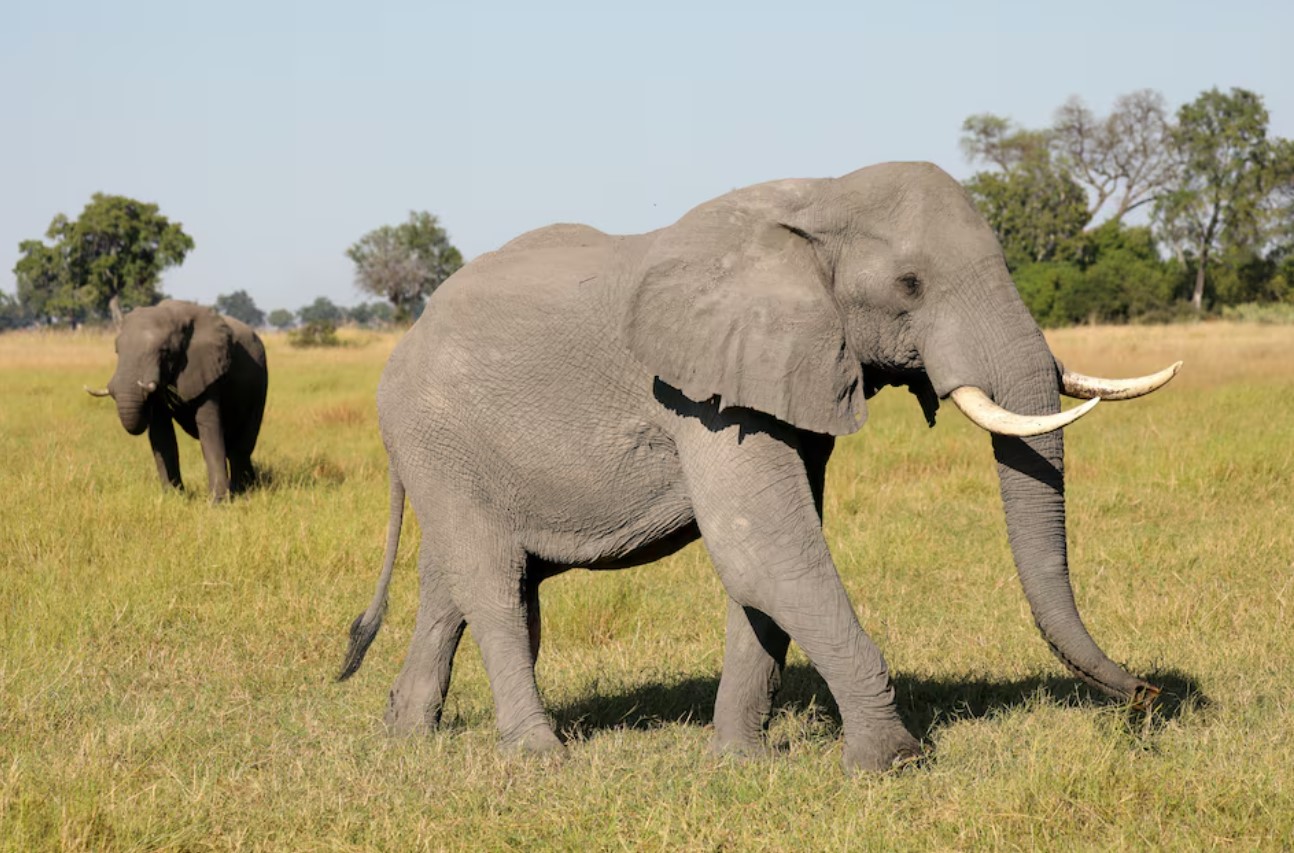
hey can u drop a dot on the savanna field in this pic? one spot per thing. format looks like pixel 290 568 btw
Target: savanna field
pixel 166 667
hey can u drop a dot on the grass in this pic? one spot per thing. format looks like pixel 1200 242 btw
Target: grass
pixel 166 666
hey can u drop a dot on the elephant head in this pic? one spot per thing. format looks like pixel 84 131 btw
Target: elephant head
pixel 176 347
pixel 802 298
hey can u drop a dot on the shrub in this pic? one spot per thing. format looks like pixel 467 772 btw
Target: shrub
pixel 319 333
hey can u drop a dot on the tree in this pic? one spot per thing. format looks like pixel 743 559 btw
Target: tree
pixel 43 288
pixel 240 306
pixel 1223 196
pixel 360 314
pixel 370 314
pixel 997 141
pixel 281 318
pixel 12 313
pixel 110 256
pixel 1032 203
pixel 1123 158
pixel 404 263
pixel 322 310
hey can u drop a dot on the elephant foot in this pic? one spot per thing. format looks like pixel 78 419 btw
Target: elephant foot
pixel 878 750
pixel 538 740
pixel 739 748
pixel 404 721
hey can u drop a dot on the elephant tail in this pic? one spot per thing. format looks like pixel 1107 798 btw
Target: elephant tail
pixel 366 625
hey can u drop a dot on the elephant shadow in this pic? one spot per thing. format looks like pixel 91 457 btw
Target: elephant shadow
pixel 925 704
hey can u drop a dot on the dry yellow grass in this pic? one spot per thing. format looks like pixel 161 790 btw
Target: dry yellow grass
pixel 165 667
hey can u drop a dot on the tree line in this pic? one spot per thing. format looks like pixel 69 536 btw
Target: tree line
pixel 1212 192
pixel 1140 214
pixel 111 259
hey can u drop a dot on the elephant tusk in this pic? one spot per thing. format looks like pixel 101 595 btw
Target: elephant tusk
pixel 96 393
pixel 1087 387
pixel 986 414
pixel 150 387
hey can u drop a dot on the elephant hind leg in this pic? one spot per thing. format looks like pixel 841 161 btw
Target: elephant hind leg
pixel 753 658
pixel 491 586
pixel 418 695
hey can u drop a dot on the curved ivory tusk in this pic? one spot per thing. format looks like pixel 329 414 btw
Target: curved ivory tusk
pixel 1086 387
pixel 150 387
pixel 986 414
pixel 104 392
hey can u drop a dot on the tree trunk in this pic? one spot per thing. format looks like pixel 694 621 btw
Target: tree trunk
pixel 1197 298
pixel 114 306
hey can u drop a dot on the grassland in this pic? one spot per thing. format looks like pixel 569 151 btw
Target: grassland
pixel 166 666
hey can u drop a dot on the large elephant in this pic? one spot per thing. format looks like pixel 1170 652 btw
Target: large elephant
pixel 581 399
pixel 184 362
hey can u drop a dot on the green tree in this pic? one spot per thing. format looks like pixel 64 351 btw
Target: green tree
pixel 360 315
pixel 1223 197
pixel 43 286
pixel 281 318
pixel 12 313
pixel 240 306
pixel 997 141
pixel 1032 203
pixel 322 311
pixel 405 263
pixel 111 256
pixel 1111 273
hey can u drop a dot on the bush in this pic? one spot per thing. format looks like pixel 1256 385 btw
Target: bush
pixel 319 333
pixel 1268 313
pixel 1110 274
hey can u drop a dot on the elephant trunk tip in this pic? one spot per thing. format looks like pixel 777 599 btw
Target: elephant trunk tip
pixel 1144 696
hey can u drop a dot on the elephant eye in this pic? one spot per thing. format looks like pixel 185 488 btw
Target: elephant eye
pixel 909 284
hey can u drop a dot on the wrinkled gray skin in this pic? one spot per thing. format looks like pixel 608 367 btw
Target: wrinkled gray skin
pixel 580 399
pixel 210 378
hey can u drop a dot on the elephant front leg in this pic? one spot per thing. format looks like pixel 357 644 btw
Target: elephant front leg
pixel 166 453
pixel 212 438
pixel 753 658
pixel 759 521
pixel 242 474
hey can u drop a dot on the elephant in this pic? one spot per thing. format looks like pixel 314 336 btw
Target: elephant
pixel 182 361
pixel 578 399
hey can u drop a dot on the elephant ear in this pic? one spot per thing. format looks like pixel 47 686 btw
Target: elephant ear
pixel 206 358
pixel 733 302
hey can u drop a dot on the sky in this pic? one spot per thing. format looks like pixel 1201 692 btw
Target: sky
pixel 279 133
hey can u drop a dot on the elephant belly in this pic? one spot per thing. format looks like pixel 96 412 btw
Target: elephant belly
pixel 613 500
pixel 600 491
pixel 657 549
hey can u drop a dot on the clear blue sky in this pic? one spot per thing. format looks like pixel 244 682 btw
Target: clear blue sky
pixel 279 133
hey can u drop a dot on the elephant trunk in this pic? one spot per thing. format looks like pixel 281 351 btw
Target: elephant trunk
pixel 990 342
pixel 133 408
pixel 1031 473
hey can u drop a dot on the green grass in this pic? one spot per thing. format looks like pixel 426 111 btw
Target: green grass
pixel 166 666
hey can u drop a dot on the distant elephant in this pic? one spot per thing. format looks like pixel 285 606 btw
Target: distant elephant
pixel 581 399
pixel 177 360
